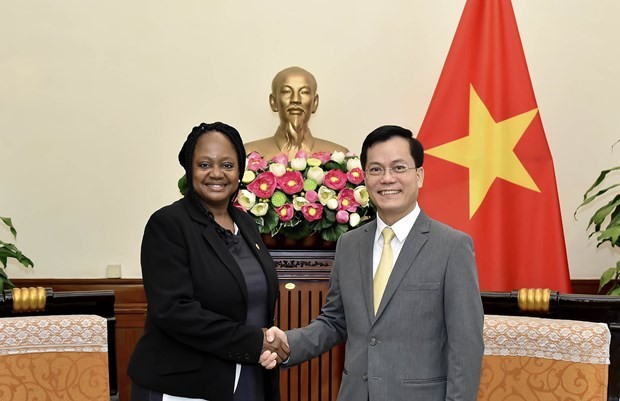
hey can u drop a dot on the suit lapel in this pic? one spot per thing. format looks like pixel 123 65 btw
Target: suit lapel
pixel 218 245
pixel 411 248
pixel 366 245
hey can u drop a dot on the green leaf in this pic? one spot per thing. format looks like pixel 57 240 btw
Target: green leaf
pixel 25 261
pixel 10 251
pixel 298 232
pixel 182 185
pixel 611 234
pixel 599 180
pixel 615 290
pixel 601 214
pixel 327 220
pixel 271 220
pixel 589 197
pixel 334 232
pixel 5 283
pixel 330 165
pixel 8 222
pixel 606 277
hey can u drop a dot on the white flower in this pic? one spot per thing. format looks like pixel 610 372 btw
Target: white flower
pixel 278 169
pixel 298 164
pixel 325 194
pixel 298 202
pixel 354 219
pixel 246 199
pixel 361 195
pixel 353 162
pixel 338 157
pixel 248 176
pixel 332 204
pixel 317 174
pixel 260 209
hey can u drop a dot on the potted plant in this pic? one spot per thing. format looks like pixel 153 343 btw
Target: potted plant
pixel 7 251
pixel 605 223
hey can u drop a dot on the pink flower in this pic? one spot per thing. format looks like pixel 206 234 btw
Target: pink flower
pixel 301 154
pixel 335 179
pixel 291 182
pixel 356 176
pixel 311 196
pixel 346 200
pixel 281 158
pixel 263 185
pixel 342 216
pixel 312 211
pixel 256 162
pixel 324 157
pixel 285 212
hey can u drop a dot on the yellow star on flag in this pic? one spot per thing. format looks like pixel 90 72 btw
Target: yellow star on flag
pixel 488 150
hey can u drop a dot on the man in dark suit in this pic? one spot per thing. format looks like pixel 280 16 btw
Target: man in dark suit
pixel 405 299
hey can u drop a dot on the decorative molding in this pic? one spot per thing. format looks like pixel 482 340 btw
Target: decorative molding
pixel 130 293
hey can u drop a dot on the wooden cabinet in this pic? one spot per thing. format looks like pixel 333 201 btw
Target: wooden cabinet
pixel 304 281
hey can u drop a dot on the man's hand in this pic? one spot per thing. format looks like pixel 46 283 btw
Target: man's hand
pixel 275 348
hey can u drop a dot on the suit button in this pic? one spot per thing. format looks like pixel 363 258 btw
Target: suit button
pixel 247 356
pixel 373 341
pixel 365 378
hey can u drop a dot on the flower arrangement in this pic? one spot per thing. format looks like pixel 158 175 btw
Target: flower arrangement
pixel 318 193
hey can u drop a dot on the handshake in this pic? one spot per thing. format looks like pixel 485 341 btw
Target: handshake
pixel 275 348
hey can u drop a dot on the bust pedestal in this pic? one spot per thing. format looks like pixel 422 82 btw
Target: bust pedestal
pixel 303 269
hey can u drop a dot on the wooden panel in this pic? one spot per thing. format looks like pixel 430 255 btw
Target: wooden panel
pixel 318 379
pixel 304 281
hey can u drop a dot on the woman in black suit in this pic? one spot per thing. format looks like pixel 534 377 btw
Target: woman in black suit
pixel 210 283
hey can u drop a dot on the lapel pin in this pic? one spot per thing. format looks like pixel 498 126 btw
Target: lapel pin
pixel 257 247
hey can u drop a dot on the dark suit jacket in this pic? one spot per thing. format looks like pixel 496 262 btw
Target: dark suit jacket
pixel 197 304
pixel 425 343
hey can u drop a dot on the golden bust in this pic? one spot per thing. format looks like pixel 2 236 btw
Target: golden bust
pixel 294 97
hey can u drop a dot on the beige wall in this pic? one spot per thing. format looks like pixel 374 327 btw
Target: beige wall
pixel 97 97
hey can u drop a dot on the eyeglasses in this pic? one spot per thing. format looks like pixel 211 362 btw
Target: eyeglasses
pixel 377 171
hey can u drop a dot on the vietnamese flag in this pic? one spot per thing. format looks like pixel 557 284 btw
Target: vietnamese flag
pixel 488 169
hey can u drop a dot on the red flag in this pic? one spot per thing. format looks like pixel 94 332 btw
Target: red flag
pixel 488 169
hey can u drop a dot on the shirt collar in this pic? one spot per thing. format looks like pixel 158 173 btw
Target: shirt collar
pixel 402 227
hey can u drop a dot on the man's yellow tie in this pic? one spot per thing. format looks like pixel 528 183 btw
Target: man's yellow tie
pixel 385 267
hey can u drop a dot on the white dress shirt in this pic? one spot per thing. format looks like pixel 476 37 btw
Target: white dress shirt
pixel 401 230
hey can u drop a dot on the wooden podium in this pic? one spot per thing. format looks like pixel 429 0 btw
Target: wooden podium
pixel 304 281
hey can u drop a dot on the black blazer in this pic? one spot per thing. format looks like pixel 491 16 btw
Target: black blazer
pixel 197 305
